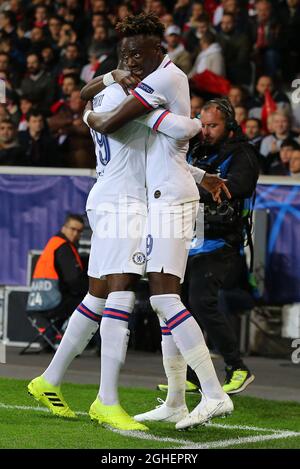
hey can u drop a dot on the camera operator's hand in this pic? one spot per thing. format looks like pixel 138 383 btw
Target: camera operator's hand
pixel 215 185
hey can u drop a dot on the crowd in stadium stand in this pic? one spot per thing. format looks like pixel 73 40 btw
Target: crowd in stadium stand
pixel 248 50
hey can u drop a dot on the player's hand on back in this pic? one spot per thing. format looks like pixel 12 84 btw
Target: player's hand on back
pixel 125 79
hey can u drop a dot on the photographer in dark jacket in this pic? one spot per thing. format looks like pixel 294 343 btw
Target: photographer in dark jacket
pixel 223 150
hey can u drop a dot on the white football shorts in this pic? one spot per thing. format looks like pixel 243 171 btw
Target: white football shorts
pixel 169 231
pixel 116 242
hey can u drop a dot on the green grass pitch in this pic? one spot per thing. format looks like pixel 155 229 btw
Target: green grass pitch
pixel 255 423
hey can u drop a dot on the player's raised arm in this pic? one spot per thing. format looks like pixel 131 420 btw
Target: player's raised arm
pixel 109 122
pixel 172 125
pixel 125 79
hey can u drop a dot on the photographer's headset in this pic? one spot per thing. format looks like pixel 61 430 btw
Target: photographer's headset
pixel 225 106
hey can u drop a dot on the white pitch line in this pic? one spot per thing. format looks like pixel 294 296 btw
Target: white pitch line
pixel 244 427
pixel 186 444
pixel 150 437
pixel 242 440
pixel 37 408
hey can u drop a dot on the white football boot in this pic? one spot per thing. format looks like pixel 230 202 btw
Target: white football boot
pixel 164 413
pixel 205 411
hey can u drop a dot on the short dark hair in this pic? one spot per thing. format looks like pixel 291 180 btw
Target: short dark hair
pixel 27 97
pixel 209 37
pixel 258 121
pixel 204 18
pixel 36 54
pixel 146 24
pixel 74 216
pixel 10 16
pixel 290 142
pixel 73 76
pixel 7 120
pixel 229 14
pixel 34 113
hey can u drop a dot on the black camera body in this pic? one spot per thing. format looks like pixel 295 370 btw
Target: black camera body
pixel 224 213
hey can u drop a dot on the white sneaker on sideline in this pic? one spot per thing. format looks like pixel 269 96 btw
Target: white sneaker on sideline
pixel 164 413
pixel 205 411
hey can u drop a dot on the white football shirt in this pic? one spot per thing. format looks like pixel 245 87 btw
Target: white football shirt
pixel 168 177
pixel 121 160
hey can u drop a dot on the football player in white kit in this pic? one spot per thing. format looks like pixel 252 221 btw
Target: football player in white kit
pixel 119 190
pixel 170 190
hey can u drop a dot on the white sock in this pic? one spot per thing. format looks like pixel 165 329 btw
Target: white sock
pixel 82 325
pixel 114 341
pixel 189 340
pixel 175 368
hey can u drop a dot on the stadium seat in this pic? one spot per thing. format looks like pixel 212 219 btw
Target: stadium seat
pixel 43 326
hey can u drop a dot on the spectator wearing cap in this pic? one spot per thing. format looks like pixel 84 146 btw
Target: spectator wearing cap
pixel 210 57
pixel 280 165
pixel 176 50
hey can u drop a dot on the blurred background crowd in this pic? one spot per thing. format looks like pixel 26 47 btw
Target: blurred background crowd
pixel 247 50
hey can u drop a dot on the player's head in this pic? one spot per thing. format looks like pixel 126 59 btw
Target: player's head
pixel 218 122
pixel 140 47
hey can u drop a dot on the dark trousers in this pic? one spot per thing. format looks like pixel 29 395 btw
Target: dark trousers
pixel 205 275
pixel 62 312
